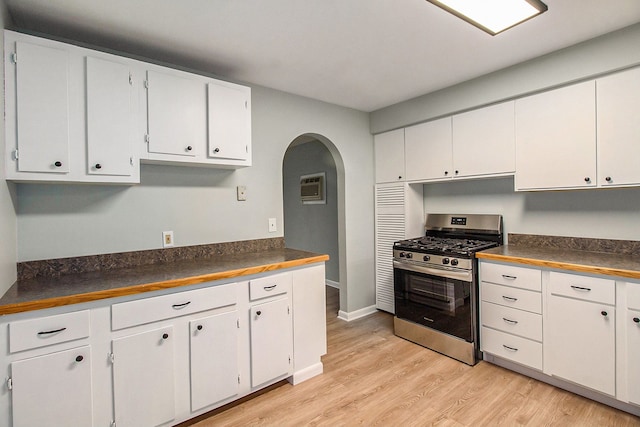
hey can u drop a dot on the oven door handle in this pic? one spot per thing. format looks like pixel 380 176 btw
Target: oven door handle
pixel 463 275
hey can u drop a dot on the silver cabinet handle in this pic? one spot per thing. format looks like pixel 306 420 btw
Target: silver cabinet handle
pixel 54 331
pixel 510 299
pixel 512 322
pixel 580 288
pixel 506 276
pixel 509 348
pixel 269 288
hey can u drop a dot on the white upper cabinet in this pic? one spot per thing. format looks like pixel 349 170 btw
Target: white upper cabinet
pixel 389 156
pixel 42 109
pixel 428 153
pixel 229 120
pixel 110 118
pixel 484 141
pixel 176 109
pixel 556 139
pixel 79 115
pixel 618 104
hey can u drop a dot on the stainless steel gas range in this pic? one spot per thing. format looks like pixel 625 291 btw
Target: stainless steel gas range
pixel 436 283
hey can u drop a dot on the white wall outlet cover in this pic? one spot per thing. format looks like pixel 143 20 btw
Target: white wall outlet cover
pixel 272 225
pixel 167 239
pixel 242 192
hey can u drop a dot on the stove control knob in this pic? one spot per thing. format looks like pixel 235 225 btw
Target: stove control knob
pixel 445 260
pixel 454 262
pixel 409 255
pixel 426 258
pixel 402 254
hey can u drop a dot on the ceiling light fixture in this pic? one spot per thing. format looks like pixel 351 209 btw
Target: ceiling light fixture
pixel 493 16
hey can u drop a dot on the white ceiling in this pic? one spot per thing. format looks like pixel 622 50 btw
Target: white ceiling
pixel 363 54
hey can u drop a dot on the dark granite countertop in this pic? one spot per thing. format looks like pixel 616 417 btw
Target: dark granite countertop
pixel 47 292
pixel 612 264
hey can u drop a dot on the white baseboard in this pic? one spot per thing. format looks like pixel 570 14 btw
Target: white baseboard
pixel 332 284
pixel 353 315
pixel 306 373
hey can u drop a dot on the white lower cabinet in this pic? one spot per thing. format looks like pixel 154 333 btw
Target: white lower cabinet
pixel 270 341
pixel 53 389
pixel 143 378
pixel 213 359
pixel 164 359
pixel 632 320
pixel 581 342
pixel 270 326
pixel 581 332
pixel 511 313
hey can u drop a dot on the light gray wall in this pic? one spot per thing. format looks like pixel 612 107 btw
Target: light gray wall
pixel 8 246
pixel 611 52
pixel 199 205
pixel 312 227
pixel 609 213
pixel 606 213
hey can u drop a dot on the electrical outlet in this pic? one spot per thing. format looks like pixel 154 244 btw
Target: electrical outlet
pixel 272 225
pixel 242 193
pixel 167 239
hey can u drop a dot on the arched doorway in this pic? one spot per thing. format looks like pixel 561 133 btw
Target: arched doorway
pixel 316 225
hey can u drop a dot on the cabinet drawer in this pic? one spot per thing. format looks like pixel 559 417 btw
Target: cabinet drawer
pixel 516 322
pixel 153 309
pixel 633 296
pixel 520 299
pixel 34 333
pixel 517 349
pixel 582 287
pixel 269 286
pixel 509 275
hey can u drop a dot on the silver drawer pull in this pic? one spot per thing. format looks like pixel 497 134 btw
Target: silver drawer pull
pixel 269 288
pixel 512 322
pixel 506 276
pixel 580 288
pixel 179 306
pixel 55 331
pixel 510 299
pixel 509 348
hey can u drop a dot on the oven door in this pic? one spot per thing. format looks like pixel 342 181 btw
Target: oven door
pixel 438 299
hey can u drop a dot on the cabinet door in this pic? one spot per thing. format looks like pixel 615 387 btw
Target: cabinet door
pixel 398 215
pixel 270 341
pixel 389 156
pixel 229 117
pixel 143 378
pixel 580 343
pixel 109 118
pixel 619 128
pixel 214 359
pixel 556 139
pixel 428 154
pixel 42 109
pixel 176 109
pixel 633 350
pixel 54 389
pixel 484 141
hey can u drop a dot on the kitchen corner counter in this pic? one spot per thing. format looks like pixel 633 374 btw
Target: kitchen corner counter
pixel 611 264
pixel 40 293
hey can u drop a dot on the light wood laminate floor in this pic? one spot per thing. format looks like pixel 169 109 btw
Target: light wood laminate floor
pixel 373 378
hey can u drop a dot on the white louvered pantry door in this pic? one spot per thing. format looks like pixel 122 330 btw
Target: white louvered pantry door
pixel 399 215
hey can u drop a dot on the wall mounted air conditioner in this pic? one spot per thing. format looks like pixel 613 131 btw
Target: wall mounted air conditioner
pixel 312 188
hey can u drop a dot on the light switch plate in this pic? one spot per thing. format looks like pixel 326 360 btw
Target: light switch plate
pixel 242 193
pixel 272 225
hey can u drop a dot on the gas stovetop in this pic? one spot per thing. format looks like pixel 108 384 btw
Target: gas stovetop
pixel 444 246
